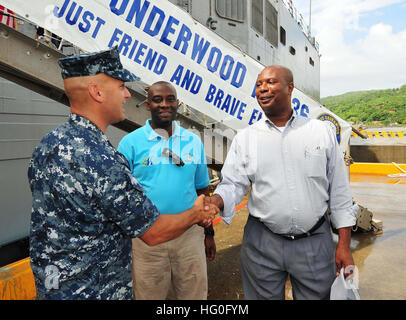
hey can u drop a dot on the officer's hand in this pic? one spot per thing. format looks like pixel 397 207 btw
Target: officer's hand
pixel 205 223
pixel 205 211
pixel 207 205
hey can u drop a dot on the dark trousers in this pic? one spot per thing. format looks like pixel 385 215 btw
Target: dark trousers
pixel 267 259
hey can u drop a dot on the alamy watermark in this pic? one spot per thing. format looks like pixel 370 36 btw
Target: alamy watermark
pixel 51 277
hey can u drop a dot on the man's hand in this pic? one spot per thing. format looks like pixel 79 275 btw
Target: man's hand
pixel 343 260
pixel 210 247
pixel 205 211
pixel 343 252
pixel 215 200
pixel 208 204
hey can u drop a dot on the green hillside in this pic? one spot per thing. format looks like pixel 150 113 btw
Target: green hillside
pixel 374 107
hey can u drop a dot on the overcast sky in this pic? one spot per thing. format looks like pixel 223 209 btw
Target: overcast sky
pixel 362 43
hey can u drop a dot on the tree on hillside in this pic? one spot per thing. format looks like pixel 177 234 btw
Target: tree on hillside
pixel 385 106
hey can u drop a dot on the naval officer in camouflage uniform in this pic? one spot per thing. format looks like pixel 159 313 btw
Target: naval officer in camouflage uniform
pixel 86 203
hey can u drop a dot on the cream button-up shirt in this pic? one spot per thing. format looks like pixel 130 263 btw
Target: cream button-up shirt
pixel 295 174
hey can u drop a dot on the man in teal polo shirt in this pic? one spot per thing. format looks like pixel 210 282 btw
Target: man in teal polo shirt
pixel 170 163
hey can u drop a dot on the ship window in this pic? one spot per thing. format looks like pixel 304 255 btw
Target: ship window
pixel 311 61
pixel 271 24
pixel 231 9
pixel 292 50
pixel 257 16
pixel 282 35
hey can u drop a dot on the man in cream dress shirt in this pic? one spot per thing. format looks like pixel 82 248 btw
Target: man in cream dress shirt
pixel 296 172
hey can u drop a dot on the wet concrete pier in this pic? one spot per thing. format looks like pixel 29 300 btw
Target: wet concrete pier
pixel 381 259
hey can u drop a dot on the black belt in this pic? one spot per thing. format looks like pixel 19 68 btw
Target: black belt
pixel 297 236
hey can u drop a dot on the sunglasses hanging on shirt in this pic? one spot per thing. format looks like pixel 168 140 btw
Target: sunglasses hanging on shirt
pixel 175 158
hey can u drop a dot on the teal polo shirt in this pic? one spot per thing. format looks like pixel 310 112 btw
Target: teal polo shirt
pixel 171 188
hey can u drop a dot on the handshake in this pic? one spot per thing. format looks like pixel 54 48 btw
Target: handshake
pixel 206 208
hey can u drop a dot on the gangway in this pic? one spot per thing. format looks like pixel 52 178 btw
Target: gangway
pixel 33 65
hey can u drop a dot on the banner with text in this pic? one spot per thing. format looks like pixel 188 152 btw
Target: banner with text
pixel 159 41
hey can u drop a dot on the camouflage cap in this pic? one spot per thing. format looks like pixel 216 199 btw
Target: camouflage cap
pixel 90 64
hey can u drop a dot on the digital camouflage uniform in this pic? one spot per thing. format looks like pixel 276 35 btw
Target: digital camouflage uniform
pixel 86 203
pixel 86 208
